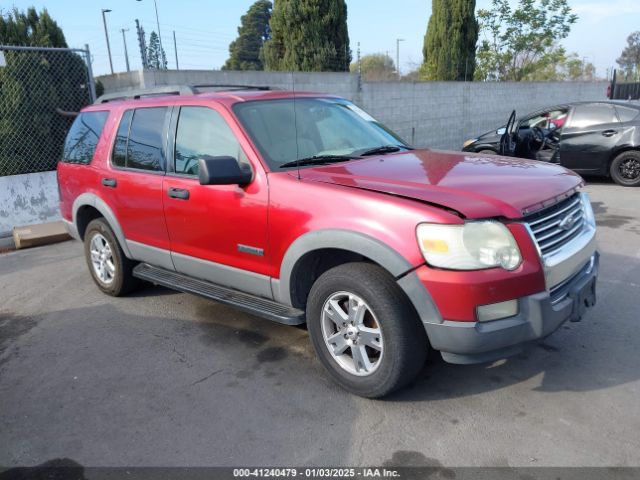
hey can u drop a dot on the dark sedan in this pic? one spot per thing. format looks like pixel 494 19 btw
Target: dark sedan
pixel 591 138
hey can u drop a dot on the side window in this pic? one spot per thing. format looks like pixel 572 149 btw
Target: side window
pixel 202 131
pixel 119 156
pixel 593 114
pixel 627 114
pixel 83 137
pixel 144 149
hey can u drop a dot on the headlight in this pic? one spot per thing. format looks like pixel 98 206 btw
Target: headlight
pixel 589 217
pixel 472 246
pixel 469 142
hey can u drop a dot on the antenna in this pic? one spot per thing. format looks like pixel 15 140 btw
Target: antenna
pixel 295 123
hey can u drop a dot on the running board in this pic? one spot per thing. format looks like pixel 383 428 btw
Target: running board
pixel 242 301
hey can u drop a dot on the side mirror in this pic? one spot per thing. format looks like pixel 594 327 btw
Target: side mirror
pixel 223 171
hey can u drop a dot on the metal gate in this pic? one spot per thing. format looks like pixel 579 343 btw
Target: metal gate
pixel 626 91
pixel 38 88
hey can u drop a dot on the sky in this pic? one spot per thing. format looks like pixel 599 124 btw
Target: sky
pixel 204 29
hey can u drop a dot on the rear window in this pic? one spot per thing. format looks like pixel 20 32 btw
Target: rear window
pixel 139 142
pixel 593 114
pixel 627 114
pixel 83 137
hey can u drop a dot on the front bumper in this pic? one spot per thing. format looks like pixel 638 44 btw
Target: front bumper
pixel 539 315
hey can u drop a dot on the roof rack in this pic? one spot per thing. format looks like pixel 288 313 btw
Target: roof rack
pixel 231 86
pixel 139 93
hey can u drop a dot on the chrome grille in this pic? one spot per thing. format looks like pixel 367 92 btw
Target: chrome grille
pixel 555 226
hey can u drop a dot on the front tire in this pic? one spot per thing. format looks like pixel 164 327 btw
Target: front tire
pixel 625 169
pixel 364 330
pixel 110 269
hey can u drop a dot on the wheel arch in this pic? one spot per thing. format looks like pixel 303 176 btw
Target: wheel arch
pixel 495 149
pixel 88 206
pixel 344 245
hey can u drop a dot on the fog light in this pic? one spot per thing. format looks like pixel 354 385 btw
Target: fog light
pixel 496 311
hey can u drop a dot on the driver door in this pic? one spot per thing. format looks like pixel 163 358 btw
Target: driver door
pixel 217 232
pixel 508 141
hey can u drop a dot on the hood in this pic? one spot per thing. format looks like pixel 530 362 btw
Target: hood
pixel 477 186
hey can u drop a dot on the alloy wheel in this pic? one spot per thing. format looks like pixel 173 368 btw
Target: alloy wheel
pixel 629 169
pixel 352 333
pixel 102 259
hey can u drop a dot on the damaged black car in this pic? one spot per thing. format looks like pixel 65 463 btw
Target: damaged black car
pixel 591 138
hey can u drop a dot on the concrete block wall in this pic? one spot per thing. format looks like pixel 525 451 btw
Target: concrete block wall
pixel 442 115
pixel 342 84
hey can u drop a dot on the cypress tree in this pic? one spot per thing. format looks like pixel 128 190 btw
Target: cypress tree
pixel 450 42
pixel 245 52
pixel 155 54
pixel 308 36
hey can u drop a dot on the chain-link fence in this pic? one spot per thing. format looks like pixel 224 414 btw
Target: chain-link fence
pixel 38 89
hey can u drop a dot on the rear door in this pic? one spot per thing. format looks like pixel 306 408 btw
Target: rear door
pixel 218 232
pixel 588 138
pixel 132 184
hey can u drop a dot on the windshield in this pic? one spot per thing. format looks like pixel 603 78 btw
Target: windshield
pixel 317 127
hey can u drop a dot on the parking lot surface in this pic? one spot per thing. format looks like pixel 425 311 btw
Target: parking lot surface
pixel 161 378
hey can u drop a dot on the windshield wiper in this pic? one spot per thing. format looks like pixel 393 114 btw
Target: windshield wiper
pixel 383 149
pixel 317 159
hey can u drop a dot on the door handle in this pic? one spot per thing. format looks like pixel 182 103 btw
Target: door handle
pixel 179 193
pixel 109 182
pixel 609 133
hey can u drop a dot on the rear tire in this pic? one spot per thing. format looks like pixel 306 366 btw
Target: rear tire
pixel 488 151
pixel 364 330
pixel 110 269
pixel 625 169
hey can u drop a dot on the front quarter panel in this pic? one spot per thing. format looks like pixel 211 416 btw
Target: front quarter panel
pixel 306 216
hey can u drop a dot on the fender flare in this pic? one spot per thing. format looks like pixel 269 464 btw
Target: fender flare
pixel 349 240
pixel 381 253
pixel 96 202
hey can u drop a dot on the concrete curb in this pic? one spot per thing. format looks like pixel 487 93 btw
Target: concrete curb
pixel 7 243
pixel 39 234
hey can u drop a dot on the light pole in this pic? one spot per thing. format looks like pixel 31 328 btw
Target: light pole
pixel 398 40
pixel 126 54
pixel 106 34
pixel 162 54
pixel 175 49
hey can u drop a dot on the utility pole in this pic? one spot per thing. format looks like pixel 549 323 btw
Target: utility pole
pixel 106 34
pixel 142 44
pixel 175 49
pixel 162 54
pixel 398 40
pixel 126 54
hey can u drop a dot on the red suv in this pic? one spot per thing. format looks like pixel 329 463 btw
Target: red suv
pixel 302 208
